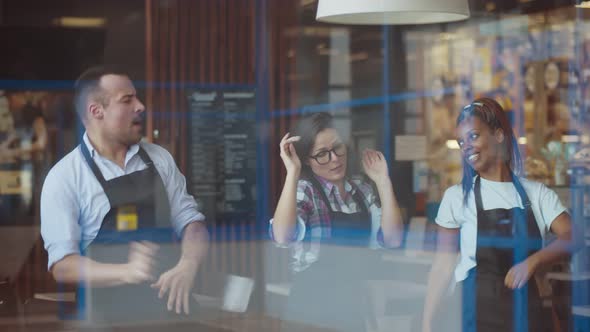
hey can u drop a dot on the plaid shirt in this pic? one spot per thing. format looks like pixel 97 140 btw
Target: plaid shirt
pixel 312 212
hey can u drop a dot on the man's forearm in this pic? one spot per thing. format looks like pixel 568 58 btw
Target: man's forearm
pixel 74 269
pixel 195 243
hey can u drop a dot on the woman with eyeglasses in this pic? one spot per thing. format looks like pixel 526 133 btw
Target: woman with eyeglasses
pixel 500 221
pixel 329 220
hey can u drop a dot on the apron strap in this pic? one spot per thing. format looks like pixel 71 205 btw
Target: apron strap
pixel 142 154
pixel 526 202
pixel 92 164
pixel 318 187
pixel 145 157
pixel 477 193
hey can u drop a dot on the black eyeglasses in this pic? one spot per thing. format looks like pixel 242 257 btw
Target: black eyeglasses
pixel 325 156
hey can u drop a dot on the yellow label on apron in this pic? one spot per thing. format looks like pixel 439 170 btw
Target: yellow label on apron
pixel 127 218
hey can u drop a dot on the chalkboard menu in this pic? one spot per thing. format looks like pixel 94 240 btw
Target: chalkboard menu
pixel 222 153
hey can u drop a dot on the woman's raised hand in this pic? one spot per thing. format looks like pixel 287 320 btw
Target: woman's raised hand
pixel 289 155
pixel 375 165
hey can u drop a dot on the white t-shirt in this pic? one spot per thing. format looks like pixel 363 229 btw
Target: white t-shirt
pixel 453 213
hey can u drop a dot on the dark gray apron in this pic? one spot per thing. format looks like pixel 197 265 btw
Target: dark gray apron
pixel 505 237
pixel 145 191
pixel 330 292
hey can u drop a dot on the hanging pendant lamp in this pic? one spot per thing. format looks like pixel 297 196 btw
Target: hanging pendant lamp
pixel 381 12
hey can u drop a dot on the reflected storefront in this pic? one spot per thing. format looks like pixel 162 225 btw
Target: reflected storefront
pixel 224 81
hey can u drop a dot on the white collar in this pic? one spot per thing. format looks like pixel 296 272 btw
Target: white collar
pixel 131 151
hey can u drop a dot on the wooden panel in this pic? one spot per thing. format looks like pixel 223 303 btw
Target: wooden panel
pixel 184 61
pixel 195 42
pixel 214 42
pixel 151 21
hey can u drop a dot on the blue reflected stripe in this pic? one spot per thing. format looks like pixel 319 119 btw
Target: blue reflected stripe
pixel 469 310
pixel 36 85
pixel 68 84
pixel 215 115
pixel 376 100
pixel 520 298
pixel 329 107
pixel 168 235
pixel 158 235
pixel 386 139
pixel 508 242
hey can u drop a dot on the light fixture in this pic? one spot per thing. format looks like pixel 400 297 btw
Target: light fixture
pixel 583 4
pixel 381 12
pixel 80 22
pixel 570 138
pixel 453 145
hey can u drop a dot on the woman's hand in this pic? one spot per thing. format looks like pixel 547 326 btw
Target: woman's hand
pixel 289 155
pixel 375 165
pixel 520 274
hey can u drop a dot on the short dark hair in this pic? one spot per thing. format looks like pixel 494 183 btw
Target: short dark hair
pixel 308 127
pixel 493 115
pixel 88 83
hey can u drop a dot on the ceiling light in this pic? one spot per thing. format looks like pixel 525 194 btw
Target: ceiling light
pixel 80 22
pixel 379 12
pixel 570 138
pixel 452 144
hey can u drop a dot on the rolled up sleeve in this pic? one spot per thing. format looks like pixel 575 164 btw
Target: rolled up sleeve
pixel 58 250
pixel 298 234
pixel 60 211
pixel 550 206
pixel 183 207
pixel 306 212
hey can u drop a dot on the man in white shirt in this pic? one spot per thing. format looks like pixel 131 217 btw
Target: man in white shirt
pixel 113 188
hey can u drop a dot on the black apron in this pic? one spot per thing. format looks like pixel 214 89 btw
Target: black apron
pixel 329 293
pixel 505 237
pixel 145 192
